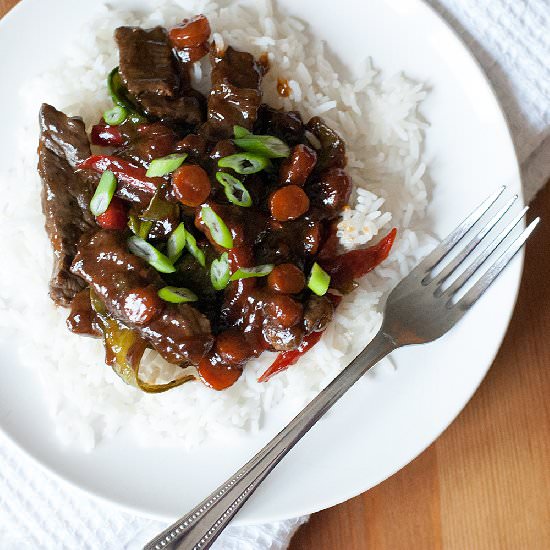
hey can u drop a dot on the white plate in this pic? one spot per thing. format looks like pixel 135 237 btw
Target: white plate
pixel 377 428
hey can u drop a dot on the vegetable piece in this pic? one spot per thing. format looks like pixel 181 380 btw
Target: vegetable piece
pixel 244 163
pixel 165 165
pixel 194 250
pixel 266 146
pixel 191 33
pixel 298 166
pixel 140 247
pixel 115 116
pixel 288 203
pixel 235 191
pixel 191 185
pixel 219 272
pixel 106 136
pixel 333 148
pixel 287 358
pixel 241 132
pixel 124 349
pixel 176 295
pixel 164 214
pixel 248 272
pixel 176 243
pixel 119 95
pixel 319 280
pixel 286 279
pixel 103 194
pixel 133 184
pixel 219 231
pixel 115 217
pixel 217 374
pixel 139 227
pixel 344 269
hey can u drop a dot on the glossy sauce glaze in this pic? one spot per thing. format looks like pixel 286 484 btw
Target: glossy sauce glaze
pixel 270 224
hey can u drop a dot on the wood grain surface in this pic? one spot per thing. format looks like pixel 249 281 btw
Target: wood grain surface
pixel 485 483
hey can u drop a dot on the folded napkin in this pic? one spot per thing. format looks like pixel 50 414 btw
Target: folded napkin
pixel 511 41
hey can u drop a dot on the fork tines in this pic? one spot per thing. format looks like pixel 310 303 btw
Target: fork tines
pixel 442 268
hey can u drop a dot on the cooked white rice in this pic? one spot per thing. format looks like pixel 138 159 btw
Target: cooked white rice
pixel 378 118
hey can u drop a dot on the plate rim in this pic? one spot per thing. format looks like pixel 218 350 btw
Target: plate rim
pixel 327 503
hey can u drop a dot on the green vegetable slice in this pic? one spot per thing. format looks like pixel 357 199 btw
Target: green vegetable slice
pixel 248 272
pixel 115 116
pixel 219 231
pixel 103 193
pixel 176 295
pixel 139 227
pixel 176 243
pixel 195 251
pixel 244 163
pixel 240 132
pixel 235 191
pixel 266 146
pixel 124 350
pixel 118 94
pixel 219 272
pixel 165 165
pixel 140 247
pixel 319 280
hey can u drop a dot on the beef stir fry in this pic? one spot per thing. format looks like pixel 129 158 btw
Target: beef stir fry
pixel 201 227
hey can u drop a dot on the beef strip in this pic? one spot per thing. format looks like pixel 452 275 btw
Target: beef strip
pixel 147 64
pixel 235 96
pixel 318 313
pixel 155 78
pixel 66 195
pixel 180 333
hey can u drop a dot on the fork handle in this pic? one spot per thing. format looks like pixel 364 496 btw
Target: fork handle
pixel 200 527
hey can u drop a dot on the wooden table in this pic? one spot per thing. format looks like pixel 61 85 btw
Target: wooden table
pixel 485 483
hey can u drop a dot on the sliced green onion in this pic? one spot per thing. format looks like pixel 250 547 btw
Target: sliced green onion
pixel 266 146
pixel 140 247
pixel 194 250
pixel 165 165
pixel 319 280
pixel 115 116
pixel 177 295
pixel 103 193
pixel 176 243
pixel 244 163
pixel 240 132
pixel 248 272
pixel 235 191
pixel 219 231
pixel 139 227
pixel 219 272
pixel 118 94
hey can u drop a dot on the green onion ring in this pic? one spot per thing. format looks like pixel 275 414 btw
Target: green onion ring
pixel 176 295
pixel 103 194
pixel 248 272
pixel 165 165
pixel 233 185
pixel 219 231
pixel 141 248
pixel 219 272
pixel 244 163
pixel 176 243
pixel 319 280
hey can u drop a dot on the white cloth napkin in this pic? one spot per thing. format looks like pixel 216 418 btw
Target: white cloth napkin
pixel 510 39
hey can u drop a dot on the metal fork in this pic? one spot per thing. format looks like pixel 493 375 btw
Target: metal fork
pixel 421 308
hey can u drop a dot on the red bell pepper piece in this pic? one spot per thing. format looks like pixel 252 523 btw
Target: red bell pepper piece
pixel 115 217
pixel 133 184
pixel 287 358
pixel 345 268
pixel 107 136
